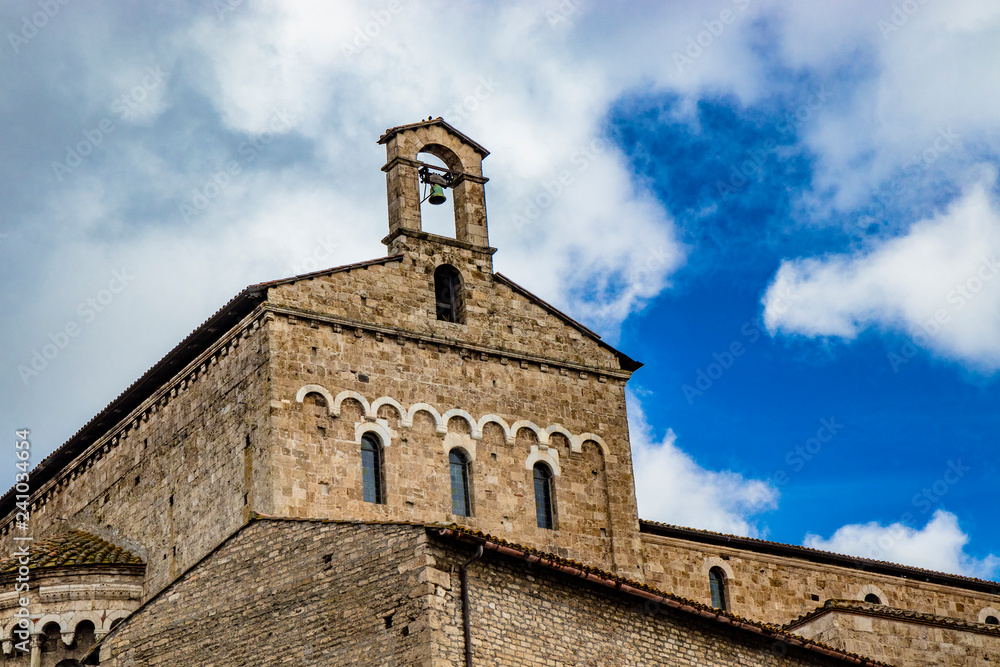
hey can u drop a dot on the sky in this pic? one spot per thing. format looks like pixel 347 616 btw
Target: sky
pixel 788 211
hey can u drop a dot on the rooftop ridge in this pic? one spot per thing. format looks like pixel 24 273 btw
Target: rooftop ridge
pixel 885 611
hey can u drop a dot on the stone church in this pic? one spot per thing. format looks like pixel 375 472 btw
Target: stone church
pixel 415 461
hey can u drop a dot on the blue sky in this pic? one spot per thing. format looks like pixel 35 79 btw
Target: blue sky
pixel 788 211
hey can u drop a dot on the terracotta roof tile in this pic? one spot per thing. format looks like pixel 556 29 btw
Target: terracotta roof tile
pixel 885 611
pixel 72 547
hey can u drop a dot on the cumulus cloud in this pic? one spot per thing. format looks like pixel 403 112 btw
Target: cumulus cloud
pixel 939 545
pixel 672 488
pixel 937 284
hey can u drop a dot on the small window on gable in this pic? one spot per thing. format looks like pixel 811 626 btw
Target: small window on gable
pixel 458 463
pixel 371 469
pixel 448 294
pixel 717 584
pixel 543 496
pixel 991 620
pixel 874 599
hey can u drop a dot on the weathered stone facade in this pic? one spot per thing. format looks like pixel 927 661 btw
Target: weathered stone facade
pixel 263 411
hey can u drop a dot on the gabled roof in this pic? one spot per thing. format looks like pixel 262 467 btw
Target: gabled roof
pixel 818 556
pixel 69 548
pixel 629 587
pixel 627 363
pixel 392 131
pixel 892 613
pixel 186 351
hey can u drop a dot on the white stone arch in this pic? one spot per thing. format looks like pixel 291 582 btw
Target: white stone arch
pixel 377 428
pixel 343 396
pixel 52 618
pixel 8 632
pixel 871 589
pixel 544 454
pixel 386 400
pixel 543 437
pixel 113 616
pixel 562 430
pixel 715 561
pixel 461 441
pixel 315 389
pixel 988 611
pixel 429 409
pixel 487 419
pixel 576 443
pixel 458 412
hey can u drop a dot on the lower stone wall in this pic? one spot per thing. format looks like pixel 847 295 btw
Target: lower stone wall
pixel 903 642
pixel 289 592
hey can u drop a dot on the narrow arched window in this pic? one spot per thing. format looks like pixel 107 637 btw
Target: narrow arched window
pixel 448 294
pixel 991 620
pixel 458 462
pixel 717 583
pixel 874 599
pixel 371 469
pixel 543 495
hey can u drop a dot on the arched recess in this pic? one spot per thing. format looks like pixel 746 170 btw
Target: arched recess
pixel 576 443
pixel 988 612
pixel 343 396
pixel 543 437
pixel 385 400
pixel 546 454
pixel 111 617
pixel 375 427
pixel 474 430
pixel 52 618
pixel 499 421
pixel 871 589
pixel 315 389
pixel 439 426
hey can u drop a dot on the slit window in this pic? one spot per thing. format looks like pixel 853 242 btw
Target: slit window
pixel 458 462
pixel 371 469
pixel 717 583
pixel 448 294
pixel 543 496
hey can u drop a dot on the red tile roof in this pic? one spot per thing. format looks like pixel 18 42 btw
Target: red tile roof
pixel 69 548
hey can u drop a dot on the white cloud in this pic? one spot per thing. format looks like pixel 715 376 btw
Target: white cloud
pixel 940 545
pixel 672 488
pixel 937 284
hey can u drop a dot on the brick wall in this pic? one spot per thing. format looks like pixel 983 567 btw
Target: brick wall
pixel 291 592
pixel 902 641
pixel 169 482
pixel 777 589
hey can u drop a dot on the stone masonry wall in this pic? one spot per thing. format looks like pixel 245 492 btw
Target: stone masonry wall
pixel 169 484
pixel 775 589
pixel 903 642
pixel 297 593
pixel 317 460
pixel 527 615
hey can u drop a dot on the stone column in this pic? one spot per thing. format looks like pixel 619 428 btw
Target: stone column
pixel 36 649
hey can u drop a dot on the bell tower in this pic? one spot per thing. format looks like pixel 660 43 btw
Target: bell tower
pixel 462 178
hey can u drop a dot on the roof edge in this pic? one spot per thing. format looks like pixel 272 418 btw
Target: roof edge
pixel 627 363
pixel 392 131
pixel 896 614
pixel 818 556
